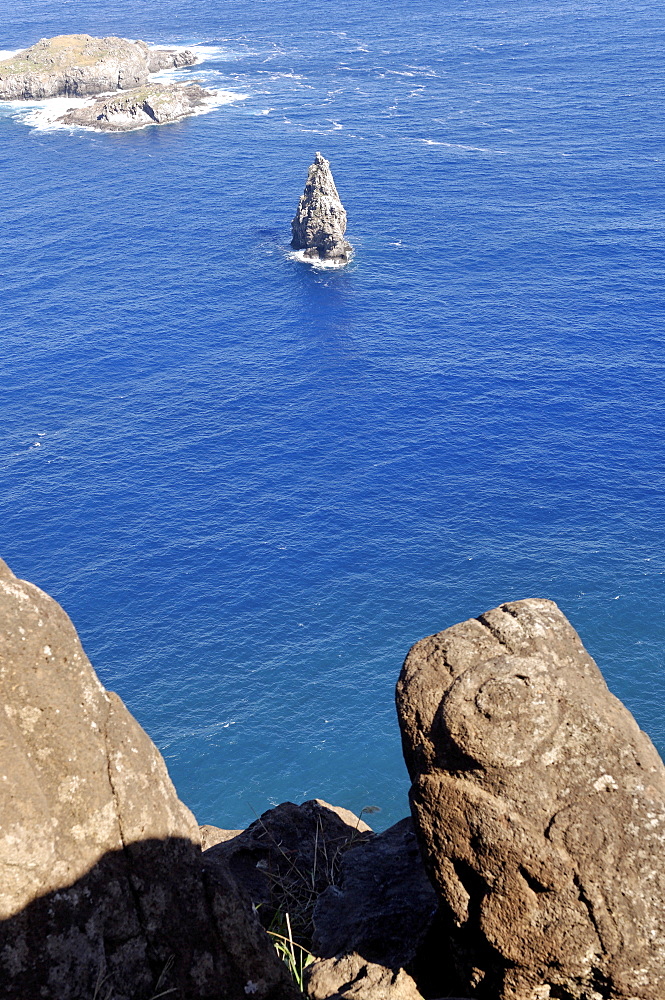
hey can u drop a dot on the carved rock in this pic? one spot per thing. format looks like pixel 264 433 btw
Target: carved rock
pixel 101 884
pixel 154 104
pixel 82 66
pixel 540 807
pixel 320 222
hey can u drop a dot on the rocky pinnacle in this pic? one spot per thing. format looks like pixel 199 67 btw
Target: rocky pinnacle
pixel 320 222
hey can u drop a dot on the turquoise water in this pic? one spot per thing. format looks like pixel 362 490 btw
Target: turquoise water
pixel 253 484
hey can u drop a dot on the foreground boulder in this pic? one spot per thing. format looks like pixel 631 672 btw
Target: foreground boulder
pixel 82 66
pixel 154 104
pixel 540 807
pixel 101 886
pixel 320 222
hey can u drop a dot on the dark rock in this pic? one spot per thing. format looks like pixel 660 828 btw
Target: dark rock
pixel 350 977
pixel 289 856
pixel 540 807
pixel 161 59
pixel 82 66
pixel 320 222
pixel 154 104
pixel 382 905
pixel 101 884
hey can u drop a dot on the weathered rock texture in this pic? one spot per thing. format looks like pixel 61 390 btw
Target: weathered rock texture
pixel 320 222
pixel 541 810
pixel 101 885
pixel 154 104
pixel 82 66
pixel 289 856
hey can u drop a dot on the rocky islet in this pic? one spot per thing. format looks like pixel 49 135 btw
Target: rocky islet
pixel 154 104
pixel 83 66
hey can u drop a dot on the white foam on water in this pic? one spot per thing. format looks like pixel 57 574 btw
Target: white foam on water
pixel 9 53
pixel 202 52
pixel 459 145
pixel 316 262
pixel 42 115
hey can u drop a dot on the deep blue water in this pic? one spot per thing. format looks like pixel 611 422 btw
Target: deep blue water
pixel 253 485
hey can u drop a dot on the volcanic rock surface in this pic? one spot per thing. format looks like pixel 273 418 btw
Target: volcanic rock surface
pixel 154 104
pixel 82 66
pixel 320 221
pixel 540 807
pixel 101 885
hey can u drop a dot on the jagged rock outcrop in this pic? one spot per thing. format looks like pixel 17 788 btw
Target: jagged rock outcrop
pixel 82 66
pixel 154 104
pixel 350 977
pixel 289 856
pixel 320 222
pixel 540 807
pixel 102 891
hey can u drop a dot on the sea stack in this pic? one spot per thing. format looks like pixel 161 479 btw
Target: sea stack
pixel 320 222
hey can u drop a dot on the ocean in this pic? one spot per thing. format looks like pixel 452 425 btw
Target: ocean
pixel 253 483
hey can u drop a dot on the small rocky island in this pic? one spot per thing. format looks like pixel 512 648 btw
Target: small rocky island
pixel 83 66
pixel 320 222
pixel 154 104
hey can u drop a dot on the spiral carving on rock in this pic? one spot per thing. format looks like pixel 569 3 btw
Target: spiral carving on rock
pixel 501 711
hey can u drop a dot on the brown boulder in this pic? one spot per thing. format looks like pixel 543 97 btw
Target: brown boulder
pixel 211 835
pixel 101 884
pixel 540 807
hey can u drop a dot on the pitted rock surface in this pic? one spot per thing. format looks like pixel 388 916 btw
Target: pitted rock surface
pixel 320 221
pixel 101 884
pixel 540 807
pixel 82 66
